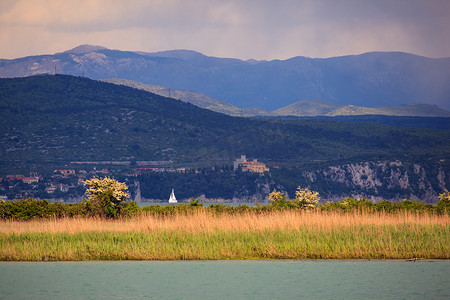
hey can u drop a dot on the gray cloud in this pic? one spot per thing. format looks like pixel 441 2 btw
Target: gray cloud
pixel 260 29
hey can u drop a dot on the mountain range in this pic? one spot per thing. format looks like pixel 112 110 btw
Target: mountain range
pixel 372 80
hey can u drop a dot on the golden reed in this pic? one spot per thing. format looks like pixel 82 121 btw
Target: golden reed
pixel 204 221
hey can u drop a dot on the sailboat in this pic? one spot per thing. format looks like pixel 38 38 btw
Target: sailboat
pixel 172 198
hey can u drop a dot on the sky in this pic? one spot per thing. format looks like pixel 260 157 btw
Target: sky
pixel 244 29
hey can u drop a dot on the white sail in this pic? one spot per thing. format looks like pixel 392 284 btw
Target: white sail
pixel 172 198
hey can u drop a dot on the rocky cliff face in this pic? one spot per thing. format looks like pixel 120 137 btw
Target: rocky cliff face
pixel 390 180
pixel 375 180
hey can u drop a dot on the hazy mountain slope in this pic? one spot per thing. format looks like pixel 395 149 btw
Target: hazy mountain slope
pixel 419 110
pixel 307 108
pixel 327 108
pixel 372 79
pixel 85 49
pixel 197 99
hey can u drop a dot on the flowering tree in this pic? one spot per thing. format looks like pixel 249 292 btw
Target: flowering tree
pixel 276 197
pixel 106 195
pixel 306 198
pixel 444 202
pixel 445 197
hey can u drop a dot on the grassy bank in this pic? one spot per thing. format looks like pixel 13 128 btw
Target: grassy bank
pixel 205 235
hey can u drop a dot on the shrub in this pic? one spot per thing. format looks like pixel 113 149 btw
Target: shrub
pixel 107 196
pixel 443 204
pixel 27 209
pixel 305 198
pixel 130 208
pixel 278 200
pixel 194 202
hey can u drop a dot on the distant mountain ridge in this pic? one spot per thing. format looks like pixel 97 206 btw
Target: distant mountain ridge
pixel 82 49
pixel 373 79
pixel 409 110
pixel 308 108
pixel 326 108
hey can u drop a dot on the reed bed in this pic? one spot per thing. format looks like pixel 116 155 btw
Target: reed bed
pixel 204 221
pixel 205 235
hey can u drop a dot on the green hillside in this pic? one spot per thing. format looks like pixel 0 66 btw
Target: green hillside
pixel 57 119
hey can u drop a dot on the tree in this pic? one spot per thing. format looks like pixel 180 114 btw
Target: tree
pixel 279 200
pixel 276 197
pixel 444 202
pixel 445 197
pixel 305 198
pixel 106 196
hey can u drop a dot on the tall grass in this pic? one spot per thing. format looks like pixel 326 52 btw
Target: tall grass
pixel 205 235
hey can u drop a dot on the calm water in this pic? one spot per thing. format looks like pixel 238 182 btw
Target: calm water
pixel 143 204
pixel 226 280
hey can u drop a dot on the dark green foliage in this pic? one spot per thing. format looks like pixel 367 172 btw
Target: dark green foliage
pixel 194 202
pixel 416 122
pixel 363 204
pixel 106 209
pixel 212 184
pixel 28 209
pixel 130 208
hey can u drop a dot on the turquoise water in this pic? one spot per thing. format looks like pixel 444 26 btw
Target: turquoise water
pixel 143 204
pixel 226 280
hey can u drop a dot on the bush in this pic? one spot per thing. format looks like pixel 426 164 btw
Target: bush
pixel 130 209
pixel 305 198
pixel 28 209
pixel 107 196
pixel 443 204
pixel 363 204
pixel 278 200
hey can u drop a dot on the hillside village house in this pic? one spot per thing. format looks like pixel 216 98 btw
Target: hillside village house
pixel 250 166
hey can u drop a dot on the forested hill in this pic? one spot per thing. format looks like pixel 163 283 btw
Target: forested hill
pixel 60 118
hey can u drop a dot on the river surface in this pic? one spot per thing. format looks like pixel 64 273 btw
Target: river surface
pixel 284 279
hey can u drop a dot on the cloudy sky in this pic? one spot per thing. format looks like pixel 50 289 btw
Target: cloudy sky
pixel 259 29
